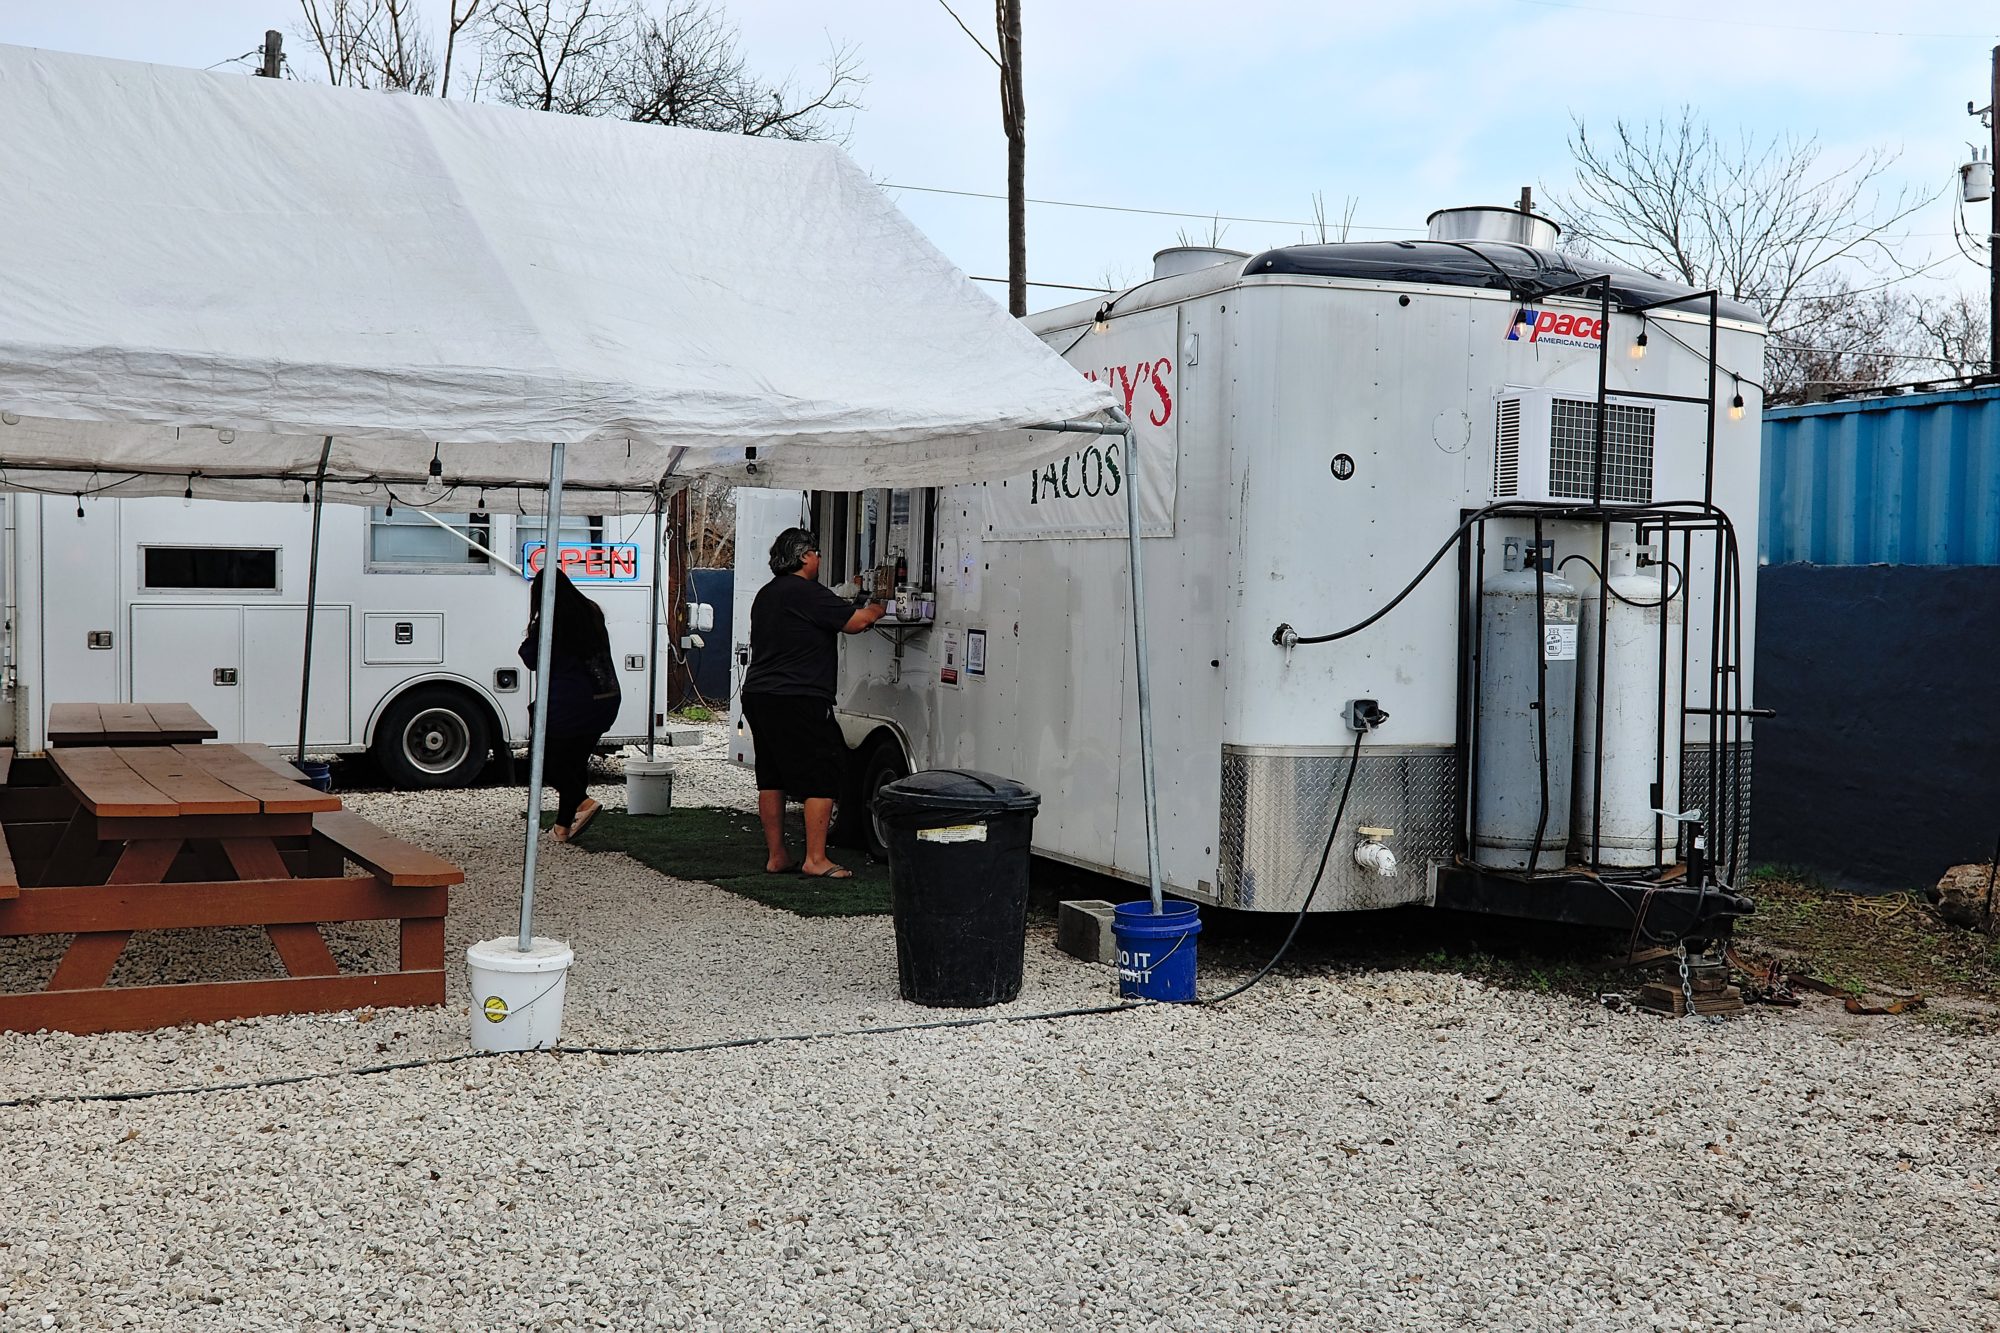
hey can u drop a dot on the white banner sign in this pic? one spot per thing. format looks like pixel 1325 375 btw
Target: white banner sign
pixel 1083 494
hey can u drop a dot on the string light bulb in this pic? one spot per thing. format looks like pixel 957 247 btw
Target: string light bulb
pixel 187 494
pixel 79 505
pixel 1736 406
pixel 437 467
pixel 1101 322
pixel 1639 346
pixel 1522 325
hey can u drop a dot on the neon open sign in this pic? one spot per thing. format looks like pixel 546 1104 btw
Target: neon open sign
pixel 586 562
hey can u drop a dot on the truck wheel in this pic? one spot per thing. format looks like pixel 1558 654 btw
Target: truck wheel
pixel 432 736
pixel 884 766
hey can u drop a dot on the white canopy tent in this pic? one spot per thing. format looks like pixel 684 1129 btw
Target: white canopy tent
pixel 208 274
pixel 238 287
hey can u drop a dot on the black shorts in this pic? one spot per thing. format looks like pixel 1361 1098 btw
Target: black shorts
pixel 800 750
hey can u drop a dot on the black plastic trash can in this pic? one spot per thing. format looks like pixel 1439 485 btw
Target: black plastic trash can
pixel 958 882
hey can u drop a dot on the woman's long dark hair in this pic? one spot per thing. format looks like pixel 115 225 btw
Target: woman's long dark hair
pixel 580 631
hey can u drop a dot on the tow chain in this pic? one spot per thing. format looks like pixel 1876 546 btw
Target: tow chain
pixel 1687 986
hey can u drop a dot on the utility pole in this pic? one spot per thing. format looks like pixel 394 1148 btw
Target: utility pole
pixel 274 53
pixel 1971 181
pixel 1014 118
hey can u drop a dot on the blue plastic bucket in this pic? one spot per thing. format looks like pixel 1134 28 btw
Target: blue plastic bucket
pixel 1156 950
pixel 317 773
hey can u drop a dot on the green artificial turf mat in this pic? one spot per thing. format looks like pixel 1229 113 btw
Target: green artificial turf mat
pixel 726 848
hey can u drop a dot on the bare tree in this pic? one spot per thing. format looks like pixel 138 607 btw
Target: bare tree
pixel 1327 231
pixel 557 55
pixel 712 525
pixel 680 64
pixel 456 21
pixel 1766 222
pixel 1952 329
pixel 1848 341
pixel 685 68
pixel 372 44
pixel 1217 229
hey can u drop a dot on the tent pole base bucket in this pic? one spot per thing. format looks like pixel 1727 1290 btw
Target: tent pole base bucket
pixel 1156 950
pixel 649 786
pixel 517 998
pixel 315 773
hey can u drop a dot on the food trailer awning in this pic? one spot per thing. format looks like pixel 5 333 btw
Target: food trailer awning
pixel 205 276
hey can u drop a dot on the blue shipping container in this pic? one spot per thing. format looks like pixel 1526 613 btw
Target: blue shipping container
pixel 1911 479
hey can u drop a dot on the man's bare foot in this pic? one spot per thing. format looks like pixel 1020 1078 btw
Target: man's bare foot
pixel 784 867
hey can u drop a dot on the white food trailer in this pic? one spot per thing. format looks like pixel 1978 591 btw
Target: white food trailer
pixel 1314 424
pixel 203 601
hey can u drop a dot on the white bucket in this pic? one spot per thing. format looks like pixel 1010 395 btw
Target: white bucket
pixel 649 786
pixel 517 998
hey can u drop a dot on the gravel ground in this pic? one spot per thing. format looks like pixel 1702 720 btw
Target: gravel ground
pixel 1355 1151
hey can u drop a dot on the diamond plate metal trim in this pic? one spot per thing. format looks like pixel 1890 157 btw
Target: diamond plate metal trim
pixel 1695 796
pixel 1276 807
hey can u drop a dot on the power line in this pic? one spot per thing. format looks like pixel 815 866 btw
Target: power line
pixel 1750 23
pixel 1308 225
pixel 1148 212
pixel 1059 286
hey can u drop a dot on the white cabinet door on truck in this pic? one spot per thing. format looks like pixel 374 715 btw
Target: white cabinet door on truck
pixel 191 654
pixel 239 667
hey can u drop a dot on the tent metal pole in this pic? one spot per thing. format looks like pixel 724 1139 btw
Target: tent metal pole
pixel 544 641
pixel 486 551
pixel 312 597
pixel 1150 786
pixel 653 633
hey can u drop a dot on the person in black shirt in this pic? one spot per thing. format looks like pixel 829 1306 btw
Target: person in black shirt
pixel 583 697
pixel 795 624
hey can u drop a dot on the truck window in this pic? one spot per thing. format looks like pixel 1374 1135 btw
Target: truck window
pixel 208 568
pixel 587 529
pixel 403 539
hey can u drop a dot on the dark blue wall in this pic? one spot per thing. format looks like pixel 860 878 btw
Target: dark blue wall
pixel 711 663
pixel 1882 768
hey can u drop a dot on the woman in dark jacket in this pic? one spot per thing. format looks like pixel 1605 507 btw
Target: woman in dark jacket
pixel 583 696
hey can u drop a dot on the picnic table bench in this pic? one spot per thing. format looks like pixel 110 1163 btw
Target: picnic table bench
pixel 102 841
pixel 127 724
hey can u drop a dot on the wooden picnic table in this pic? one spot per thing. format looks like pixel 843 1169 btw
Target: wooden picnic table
pixel 127 724
pixel 152 837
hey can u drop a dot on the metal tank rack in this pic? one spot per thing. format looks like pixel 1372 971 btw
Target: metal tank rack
pixel 1681 894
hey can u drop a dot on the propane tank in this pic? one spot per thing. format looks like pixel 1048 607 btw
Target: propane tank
pixel 1527 648
pixel 1633 618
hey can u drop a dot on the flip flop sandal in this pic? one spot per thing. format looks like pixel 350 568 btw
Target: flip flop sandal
pixel 584 814
pixel 838 872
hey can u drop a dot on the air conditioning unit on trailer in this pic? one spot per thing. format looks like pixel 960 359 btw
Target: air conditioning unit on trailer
pixel 1545 443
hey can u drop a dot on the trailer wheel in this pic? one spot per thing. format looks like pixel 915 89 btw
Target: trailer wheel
pixel 883 766
pixel 432 736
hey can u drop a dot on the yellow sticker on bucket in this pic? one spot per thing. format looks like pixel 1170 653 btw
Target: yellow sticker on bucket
pixel 496 1009
pixel 953 833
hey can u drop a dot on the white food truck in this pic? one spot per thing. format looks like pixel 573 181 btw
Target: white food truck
pixel 1314 424
pixel 204 602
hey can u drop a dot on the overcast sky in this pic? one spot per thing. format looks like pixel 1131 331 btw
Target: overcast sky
pixel 1247 107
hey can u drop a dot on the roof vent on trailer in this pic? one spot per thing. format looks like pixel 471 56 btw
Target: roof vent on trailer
pixel 1520 224
pixel 1178 259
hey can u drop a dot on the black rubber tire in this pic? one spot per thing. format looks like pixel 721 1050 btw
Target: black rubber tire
pixel 883 766
pixel 433 736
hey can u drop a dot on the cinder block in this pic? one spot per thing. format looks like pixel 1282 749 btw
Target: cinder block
pixel 1083 930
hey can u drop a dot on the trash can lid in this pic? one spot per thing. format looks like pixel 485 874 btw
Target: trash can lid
pixel 955 789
